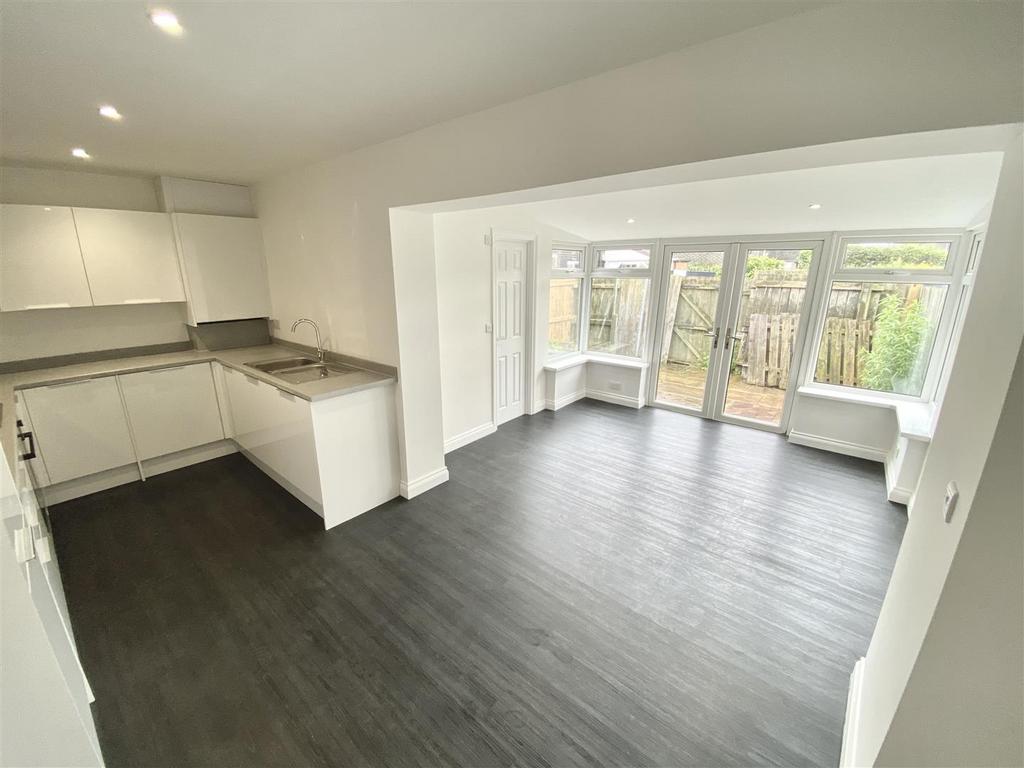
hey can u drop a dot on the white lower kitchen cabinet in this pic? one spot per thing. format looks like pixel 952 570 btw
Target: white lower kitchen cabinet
pixel 80 428
pixel 338 455
pixel 171 409
pixel 275 430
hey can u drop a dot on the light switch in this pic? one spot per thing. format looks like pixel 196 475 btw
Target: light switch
pixel 488 328
pixel 952 496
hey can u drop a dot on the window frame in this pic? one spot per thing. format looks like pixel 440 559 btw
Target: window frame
pixel 611 245
pixel 951 277
pixel 584 280
pixel 565 245
pixel 645 274
pixel 947 270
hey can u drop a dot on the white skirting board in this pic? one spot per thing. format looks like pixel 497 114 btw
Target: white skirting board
pixel 564 400
pixel 616 398
pixel 837 446
pixel 469 436
pixel 848 755
pixel 111 478
pixel 424 483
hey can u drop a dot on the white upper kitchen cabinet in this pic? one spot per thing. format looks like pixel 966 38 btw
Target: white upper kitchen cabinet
pixel 80 427
pixel 223 266
pixel 40 261
pixel 171 409
pixel 130 256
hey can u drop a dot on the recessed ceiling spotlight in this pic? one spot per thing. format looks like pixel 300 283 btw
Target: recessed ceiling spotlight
pixel 631 221
pixel 81 154
pixel 167 21
pixel 110 112
pixel 814 206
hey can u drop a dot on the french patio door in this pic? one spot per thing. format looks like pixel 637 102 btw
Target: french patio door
pixel 732 322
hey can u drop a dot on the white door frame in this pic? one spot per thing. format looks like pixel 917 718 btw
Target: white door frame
pixel 530 290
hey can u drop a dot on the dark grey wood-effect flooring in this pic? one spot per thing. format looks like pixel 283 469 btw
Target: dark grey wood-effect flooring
pixel 597 586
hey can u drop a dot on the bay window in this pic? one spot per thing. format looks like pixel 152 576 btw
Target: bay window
pixel 599 304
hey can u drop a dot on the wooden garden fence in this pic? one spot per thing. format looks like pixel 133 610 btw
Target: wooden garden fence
pixel 767 326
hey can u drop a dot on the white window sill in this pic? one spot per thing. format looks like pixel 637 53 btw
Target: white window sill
pixel 615 361
pixel 565 362
pixel 914 417
pixel 572 361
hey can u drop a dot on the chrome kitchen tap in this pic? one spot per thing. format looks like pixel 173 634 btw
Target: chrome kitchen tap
pixel 316 329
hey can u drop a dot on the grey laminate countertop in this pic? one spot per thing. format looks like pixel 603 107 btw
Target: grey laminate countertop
pixel 336 386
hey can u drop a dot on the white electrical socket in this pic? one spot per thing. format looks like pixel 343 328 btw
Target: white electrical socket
pixel 615 386
pixel 949 503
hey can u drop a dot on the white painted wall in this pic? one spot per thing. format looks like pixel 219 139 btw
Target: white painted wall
pixel 859 430
pixel 48 332
pixel 785 84
pixel 48 186
pixel 463 268
pixel 963 704
pixel 988 349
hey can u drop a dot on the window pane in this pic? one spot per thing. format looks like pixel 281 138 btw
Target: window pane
pixel 623 258
pixel 617 309
pixel 879 336
pixel 901 256
pixel 567 259
pixel 564 316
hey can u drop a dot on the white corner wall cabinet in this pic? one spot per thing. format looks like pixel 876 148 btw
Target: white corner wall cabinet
pixel 222 261
pixel 338 456
pixel 113 424
pixel 56 257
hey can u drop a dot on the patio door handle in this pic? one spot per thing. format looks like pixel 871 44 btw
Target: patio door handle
pixel 714 337
pixel 729 337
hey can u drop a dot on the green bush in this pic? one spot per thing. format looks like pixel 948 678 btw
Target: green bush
pixel 899 332
pixel 757 264
pixel 896 256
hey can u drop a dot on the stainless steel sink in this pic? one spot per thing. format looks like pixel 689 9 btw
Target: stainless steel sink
pixel 314 372
pixel 301 370
pixel 271 366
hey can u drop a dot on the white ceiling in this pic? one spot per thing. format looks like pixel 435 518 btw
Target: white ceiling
pixel 253 88
pixel 946 191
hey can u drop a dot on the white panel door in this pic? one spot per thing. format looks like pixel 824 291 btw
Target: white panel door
pixel 130 257
pixel 172 409
pixel 510 329
pixel 224 271
pixel 80 427
pixel 40 261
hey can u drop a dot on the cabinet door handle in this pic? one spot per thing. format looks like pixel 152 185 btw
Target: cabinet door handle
pixel 31 453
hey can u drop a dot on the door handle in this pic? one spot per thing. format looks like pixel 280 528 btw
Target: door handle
pixel 714 337
pixel 31 453
pixel 730 338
